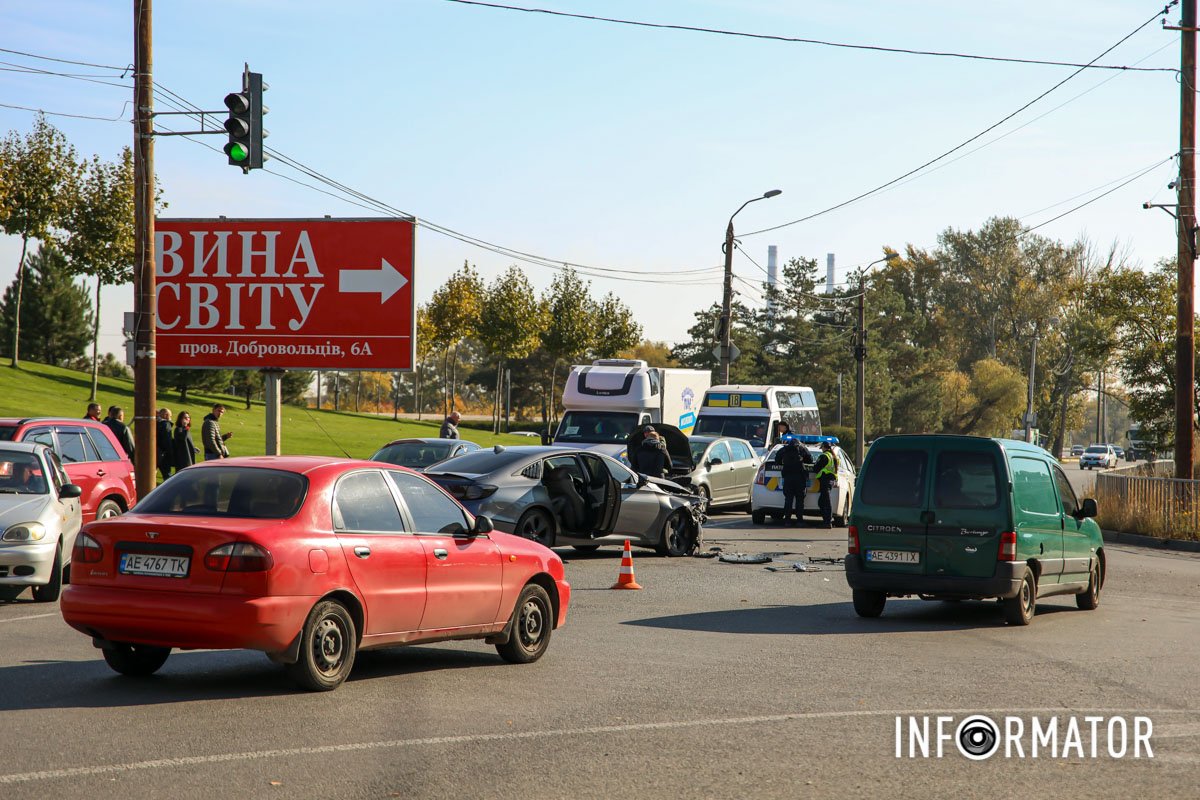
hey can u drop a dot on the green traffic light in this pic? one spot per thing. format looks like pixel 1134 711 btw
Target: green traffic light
pixel 238 152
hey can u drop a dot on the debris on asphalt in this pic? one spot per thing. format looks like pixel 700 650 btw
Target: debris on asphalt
pixel 745 558
pixel 712 552
pixel 794 567
pixel 827 560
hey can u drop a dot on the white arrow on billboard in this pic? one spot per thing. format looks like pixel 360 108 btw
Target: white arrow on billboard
pixel 385 280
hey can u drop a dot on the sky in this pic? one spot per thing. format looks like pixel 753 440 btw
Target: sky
pixel 626 149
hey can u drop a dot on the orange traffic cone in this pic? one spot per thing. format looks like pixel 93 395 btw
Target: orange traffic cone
pixel 625 578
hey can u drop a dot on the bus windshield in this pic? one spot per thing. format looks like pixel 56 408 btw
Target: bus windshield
pixel 751 428
pixel 596 427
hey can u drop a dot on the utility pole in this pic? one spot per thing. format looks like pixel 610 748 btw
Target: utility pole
pixel 727 305
pixel 860 356
pixel 1029 405
pixel 1185 300
pixel 145 387
pixel 839 416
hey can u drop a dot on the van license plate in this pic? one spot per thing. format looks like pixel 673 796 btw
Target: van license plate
pixel 894 556
pixel 160 566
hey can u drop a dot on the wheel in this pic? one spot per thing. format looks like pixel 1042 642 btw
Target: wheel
pixel 869 604
pixel 1019 610
pixel 678 536
pixel 50 592
pixel 10 593
pixel 839 520
pixel 328 644
pixel 108 509
pixel 537 526
pixel 136 660
pixel 586 548
pixel 759 517
pixel 529 628
pixel 1088 600
pixel 777 517
pixel 706 503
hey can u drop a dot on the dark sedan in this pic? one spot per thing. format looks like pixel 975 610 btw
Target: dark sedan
pixel 420 454
pixel 562 496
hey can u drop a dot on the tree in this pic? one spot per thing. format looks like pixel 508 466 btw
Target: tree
pixel 294 385
pixel 985 403
pixel 38 175
pixel 617 329
pixel 185 380
pixel 98 235
pixel 510 324
pixel 58 315
pixel 654 353
pixel 572 328
pixel 454 312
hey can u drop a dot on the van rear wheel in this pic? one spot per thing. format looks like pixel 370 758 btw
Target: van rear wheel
pixel 1019 610
pixel 869 604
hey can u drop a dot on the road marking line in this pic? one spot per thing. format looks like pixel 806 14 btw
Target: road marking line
pixel 258 755
pixel 32 616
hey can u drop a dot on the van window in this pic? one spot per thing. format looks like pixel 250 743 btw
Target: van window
pixel 1069 502
pixel 896 479
pixel 1032 487
pixel 966 479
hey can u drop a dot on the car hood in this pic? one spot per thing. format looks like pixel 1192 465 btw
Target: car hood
pixel 676 440
pixel 21 507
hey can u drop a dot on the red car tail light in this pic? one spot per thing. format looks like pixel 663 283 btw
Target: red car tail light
pixel 239 557
pixel 86 550
pixel 1008 547
pixel 760 477
pixel 852 540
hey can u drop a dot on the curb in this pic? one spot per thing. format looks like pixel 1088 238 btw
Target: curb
pixel 1184 545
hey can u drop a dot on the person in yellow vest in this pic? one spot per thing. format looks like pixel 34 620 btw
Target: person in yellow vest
pixel 826 472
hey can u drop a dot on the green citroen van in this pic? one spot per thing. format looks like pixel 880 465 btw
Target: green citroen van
pixel 964 517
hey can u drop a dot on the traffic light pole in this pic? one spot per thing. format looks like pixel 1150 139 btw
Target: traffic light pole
pixel 145 387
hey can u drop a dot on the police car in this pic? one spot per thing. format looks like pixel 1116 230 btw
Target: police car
pixel 766 495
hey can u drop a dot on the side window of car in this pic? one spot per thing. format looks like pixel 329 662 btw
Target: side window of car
pixel 1069 501
pixel 58 475
pixel 1032 487
pixel 102 445
pixel 619 472
pixel 431 510
pixel 719 452
pixel 75 447
pixel 40 436
pixel 740 451
pixel 362 502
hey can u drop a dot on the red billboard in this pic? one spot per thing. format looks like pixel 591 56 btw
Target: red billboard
pixel 285 293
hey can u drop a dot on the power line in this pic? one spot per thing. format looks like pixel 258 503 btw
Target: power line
pixel 819 42
pixel 68 61
pixel 119 118
pixel 1097 197
pixel 963 144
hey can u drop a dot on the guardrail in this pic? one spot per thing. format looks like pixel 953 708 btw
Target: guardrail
pixel 1149 501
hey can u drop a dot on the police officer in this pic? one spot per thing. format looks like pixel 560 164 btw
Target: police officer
pixel 794 463
pixel 826 471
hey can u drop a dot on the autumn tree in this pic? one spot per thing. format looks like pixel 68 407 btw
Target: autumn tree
pixel 510 324
pixel 572 328
pixel 617 328
pixel 454 312
pixel 37 176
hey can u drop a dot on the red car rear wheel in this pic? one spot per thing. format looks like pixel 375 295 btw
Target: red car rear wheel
pixel 328 645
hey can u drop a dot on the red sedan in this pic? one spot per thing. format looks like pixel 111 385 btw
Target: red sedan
pixel 309 560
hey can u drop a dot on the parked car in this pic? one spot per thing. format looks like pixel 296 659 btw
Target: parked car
pixel 1076 450
pixel 309 560
pixel 1120 451
pixel 963 517
pixel 421 453
pixel 766 499
pixel 718 468
pixel 90 454
pixel 1098 456
pixel 569 496
pixel 39 520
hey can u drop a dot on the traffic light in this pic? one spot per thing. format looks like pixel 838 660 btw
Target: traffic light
pixel 244 125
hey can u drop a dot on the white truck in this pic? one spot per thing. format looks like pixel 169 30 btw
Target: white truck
pixel 607 400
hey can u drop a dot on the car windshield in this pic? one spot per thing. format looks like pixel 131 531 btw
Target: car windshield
pixel 21 473
pixel 413 454
pixel 698 449
pixel 596 427
pixel 480 462
pixel 248 492
pixel 752 429
pixel 1097 449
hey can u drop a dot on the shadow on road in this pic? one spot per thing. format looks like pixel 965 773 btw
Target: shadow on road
pixel 900 616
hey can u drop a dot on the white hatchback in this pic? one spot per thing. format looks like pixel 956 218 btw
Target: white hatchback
pixel 766 495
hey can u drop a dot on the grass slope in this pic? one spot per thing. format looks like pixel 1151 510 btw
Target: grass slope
pixel 37 390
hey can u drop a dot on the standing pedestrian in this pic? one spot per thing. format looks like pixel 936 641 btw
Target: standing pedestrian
pixel 782 429
pixel 794 464
pixel 826 471
pixel 115 422
pixel 450 426
pixel 651 457
pixel 93 412
pixel 211 436
pixel 162 442
pixel 183 449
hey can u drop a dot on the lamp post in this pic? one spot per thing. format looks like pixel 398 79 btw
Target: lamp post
pixel 727 303
pixel 860 356
pixel 1032 368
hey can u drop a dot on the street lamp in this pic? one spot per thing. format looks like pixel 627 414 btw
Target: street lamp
pixel 726 347
pixel 1037 327
pixel 860 356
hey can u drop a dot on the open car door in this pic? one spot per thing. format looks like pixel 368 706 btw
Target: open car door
pixel 603 492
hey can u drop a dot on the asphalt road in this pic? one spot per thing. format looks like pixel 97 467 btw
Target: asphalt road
pixel 716 680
